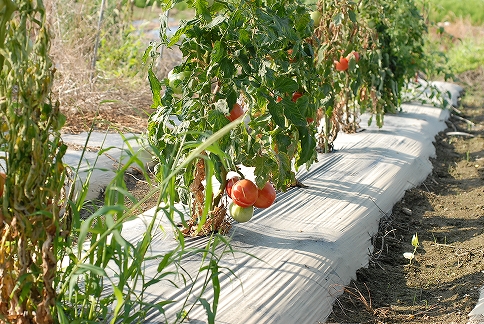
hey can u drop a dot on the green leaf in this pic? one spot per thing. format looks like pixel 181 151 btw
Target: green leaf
pixel 208 310
pixel 338 18
pixel 215 284
pixel 308 146
pixel 216 21
pixel 263 169
pixel 285 84
pixel 244 36
pixel 155 88
pixel 415 242
pixel 218 52
pixel 277 113
pixel 352 16
pixel 92 268
pixel 293 113
pixel 119 303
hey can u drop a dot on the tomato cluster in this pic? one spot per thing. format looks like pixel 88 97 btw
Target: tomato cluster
pixel 245 196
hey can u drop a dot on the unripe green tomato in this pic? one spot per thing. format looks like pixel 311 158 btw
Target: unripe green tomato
pixel 210 3
pixel 241 214
pixel 172 77
pixel 316 17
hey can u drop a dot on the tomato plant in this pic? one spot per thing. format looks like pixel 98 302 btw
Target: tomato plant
pixel 241 214
pixel 266 196
pixel 247 54
pixel 263 56
pixel 244 193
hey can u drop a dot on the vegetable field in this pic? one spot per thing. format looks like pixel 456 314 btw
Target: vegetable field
pixel 278 139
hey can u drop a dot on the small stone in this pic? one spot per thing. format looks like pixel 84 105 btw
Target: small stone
pixel 407 211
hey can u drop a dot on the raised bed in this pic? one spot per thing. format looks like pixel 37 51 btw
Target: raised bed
pixel 296 256
pixel 293 259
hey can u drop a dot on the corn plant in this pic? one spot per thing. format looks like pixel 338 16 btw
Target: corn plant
pixel 35 220
pixel 104 275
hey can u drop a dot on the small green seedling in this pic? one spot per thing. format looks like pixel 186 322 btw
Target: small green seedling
pixel 415 244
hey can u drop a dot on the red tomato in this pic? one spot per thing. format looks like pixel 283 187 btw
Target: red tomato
pixel 279 99
pixel 357 56
pixel 354 54
pixel 236 112
pixel 342 65
pixel 296 96
pixel 309 120
pixel 266 196
pixel 244 193
pixel 230 184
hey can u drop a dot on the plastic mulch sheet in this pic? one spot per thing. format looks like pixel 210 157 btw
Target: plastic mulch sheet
pixel 295 257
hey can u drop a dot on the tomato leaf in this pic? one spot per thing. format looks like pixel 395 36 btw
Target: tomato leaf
pixel 155 88
pixel 263 169
pixel 282 175
pixel 218 52
pixel 293 113
pixel 277 113
pixel 308 146
pixel 285 84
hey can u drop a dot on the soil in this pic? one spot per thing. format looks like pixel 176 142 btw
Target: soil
pixel 446 211
pixel 441 284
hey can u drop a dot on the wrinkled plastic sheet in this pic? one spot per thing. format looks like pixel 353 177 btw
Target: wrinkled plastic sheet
pixel 294 258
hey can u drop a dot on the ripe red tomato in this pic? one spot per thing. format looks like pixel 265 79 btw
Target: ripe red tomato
pixel 266 196
pixel 236 112
pixel 342 64
pixel 296 96
pixel 230 184
pixel 244 193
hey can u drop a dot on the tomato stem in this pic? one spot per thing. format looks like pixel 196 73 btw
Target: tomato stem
pixel 223 184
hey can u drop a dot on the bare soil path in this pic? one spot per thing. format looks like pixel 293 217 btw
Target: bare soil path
pixel 442 283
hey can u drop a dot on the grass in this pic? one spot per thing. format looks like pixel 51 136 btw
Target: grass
pixel 467 55
pixel 451 10
pixel 462 42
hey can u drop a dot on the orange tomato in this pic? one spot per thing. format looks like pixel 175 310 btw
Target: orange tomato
pixel 342 64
